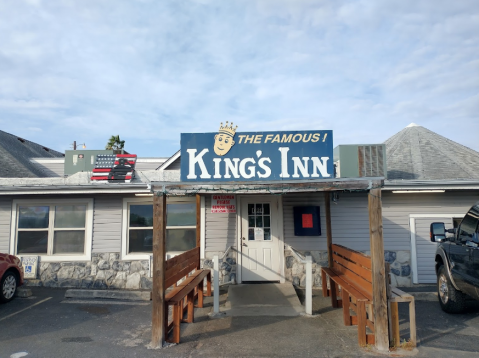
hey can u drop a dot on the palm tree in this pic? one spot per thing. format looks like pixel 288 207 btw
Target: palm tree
pixel 114 143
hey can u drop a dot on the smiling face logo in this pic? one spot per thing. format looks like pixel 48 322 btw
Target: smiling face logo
pixel 224 139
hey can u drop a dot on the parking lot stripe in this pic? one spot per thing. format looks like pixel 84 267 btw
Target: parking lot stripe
pixel 93 302
pixel 35 304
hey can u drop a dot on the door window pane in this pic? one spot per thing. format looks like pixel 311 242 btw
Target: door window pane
pixel 70 216
pixel 259 216
pixel 267 221
pixel 180 239
pixel 267 234
pixel 266 209
pixel 141 215
pixel 140 241
pixel 259 221
pixel 181 214
pixel 69 242
pixel 33 217
pixel 32 242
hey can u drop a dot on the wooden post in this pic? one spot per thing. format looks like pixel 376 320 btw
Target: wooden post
pixel 329 235
pixel 159 251
pixel 198 225
pixel 378 270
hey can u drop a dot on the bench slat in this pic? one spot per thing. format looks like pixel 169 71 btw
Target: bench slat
pixel 357 281
pixel 183 271
pixel 354 267
pixel 352 255
pixel 188 286
pixel 182 257
pixel 345 284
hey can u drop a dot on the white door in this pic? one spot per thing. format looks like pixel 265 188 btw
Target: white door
pixel 260 244
pixel 425 249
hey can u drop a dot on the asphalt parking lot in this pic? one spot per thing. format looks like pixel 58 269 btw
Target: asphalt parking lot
pixel 48 325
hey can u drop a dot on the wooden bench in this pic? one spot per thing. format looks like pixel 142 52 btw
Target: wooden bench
pixel 184 281
pixel 350 287
pixel 395 295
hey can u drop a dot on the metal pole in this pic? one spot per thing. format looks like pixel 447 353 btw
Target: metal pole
pixel 309 286
pixel 216 287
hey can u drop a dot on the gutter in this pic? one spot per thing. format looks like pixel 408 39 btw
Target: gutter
pixel 430 185
pixel 73 189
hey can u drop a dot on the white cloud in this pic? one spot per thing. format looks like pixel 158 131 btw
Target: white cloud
pixel 149 70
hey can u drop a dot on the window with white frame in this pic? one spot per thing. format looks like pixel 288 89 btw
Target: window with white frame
pixel 180 226
pixel 53 228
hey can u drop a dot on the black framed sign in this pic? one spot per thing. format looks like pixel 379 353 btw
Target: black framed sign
pixel 306 221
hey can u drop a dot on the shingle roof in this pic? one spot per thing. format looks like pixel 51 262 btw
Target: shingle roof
pixel 15 155
pixel 418 153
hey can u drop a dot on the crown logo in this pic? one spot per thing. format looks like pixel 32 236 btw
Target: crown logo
pixel 229 130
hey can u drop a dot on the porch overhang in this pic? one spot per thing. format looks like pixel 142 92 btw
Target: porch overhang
pixel 267 187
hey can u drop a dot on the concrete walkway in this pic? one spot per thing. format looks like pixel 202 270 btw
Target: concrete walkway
pixel 70 328
pixel 263 300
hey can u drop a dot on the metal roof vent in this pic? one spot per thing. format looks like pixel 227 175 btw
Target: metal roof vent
pixel 360 160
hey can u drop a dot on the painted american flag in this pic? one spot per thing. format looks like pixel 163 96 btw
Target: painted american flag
pixel 114 168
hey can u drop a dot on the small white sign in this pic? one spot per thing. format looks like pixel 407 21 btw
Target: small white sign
pixel 221 203
pixel 30 264
pixel 259 234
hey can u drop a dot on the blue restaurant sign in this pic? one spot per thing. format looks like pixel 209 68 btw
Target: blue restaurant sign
pixel 256 156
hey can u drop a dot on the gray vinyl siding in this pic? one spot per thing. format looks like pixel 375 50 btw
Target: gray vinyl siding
pixel 144 165
pixel 220 229
pixel 107 216
pixel 51 167
pixel 303 243
pixel 398 207
pixel 350 221
pixel 350 217
pixel 5 217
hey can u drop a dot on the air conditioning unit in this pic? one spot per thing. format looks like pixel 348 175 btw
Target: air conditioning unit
pixel 81 160
pixel 360 160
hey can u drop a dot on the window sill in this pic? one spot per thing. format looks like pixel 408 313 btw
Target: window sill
pixel 59 258
pixel 138 256
pixel 169 255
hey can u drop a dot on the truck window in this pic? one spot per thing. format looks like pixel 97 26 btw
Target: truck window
pixel 469 224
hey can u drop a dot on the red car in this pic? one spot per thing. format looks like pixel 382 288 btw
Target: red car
pixel 11 273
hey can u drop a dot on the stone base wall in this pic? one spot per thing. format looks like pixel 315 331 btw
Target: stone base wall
pixel 107 271
pixel 227 266
pixel 295 270
pixel 104 271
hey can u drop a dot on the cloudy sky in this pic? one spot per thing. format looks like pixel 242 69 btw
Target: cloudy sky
pixel 149 70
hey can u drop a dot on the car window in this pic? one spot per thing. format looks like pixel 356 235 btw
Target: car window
pixel 469 224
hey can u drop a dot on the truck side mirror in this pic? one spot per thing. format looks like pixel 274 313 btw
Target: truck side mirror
pixel 437 232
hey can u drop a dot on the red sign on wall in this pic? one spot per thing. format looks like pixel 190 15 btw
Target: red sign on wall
pixel 307 221
pixel 223 204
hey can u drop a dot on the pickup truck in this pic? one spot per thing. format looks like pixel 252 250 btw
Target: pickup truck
pixel 457 261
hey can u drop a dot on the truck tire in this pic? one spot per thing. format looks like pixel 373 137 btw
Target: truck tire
pixel 8 286
pixel 450 299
